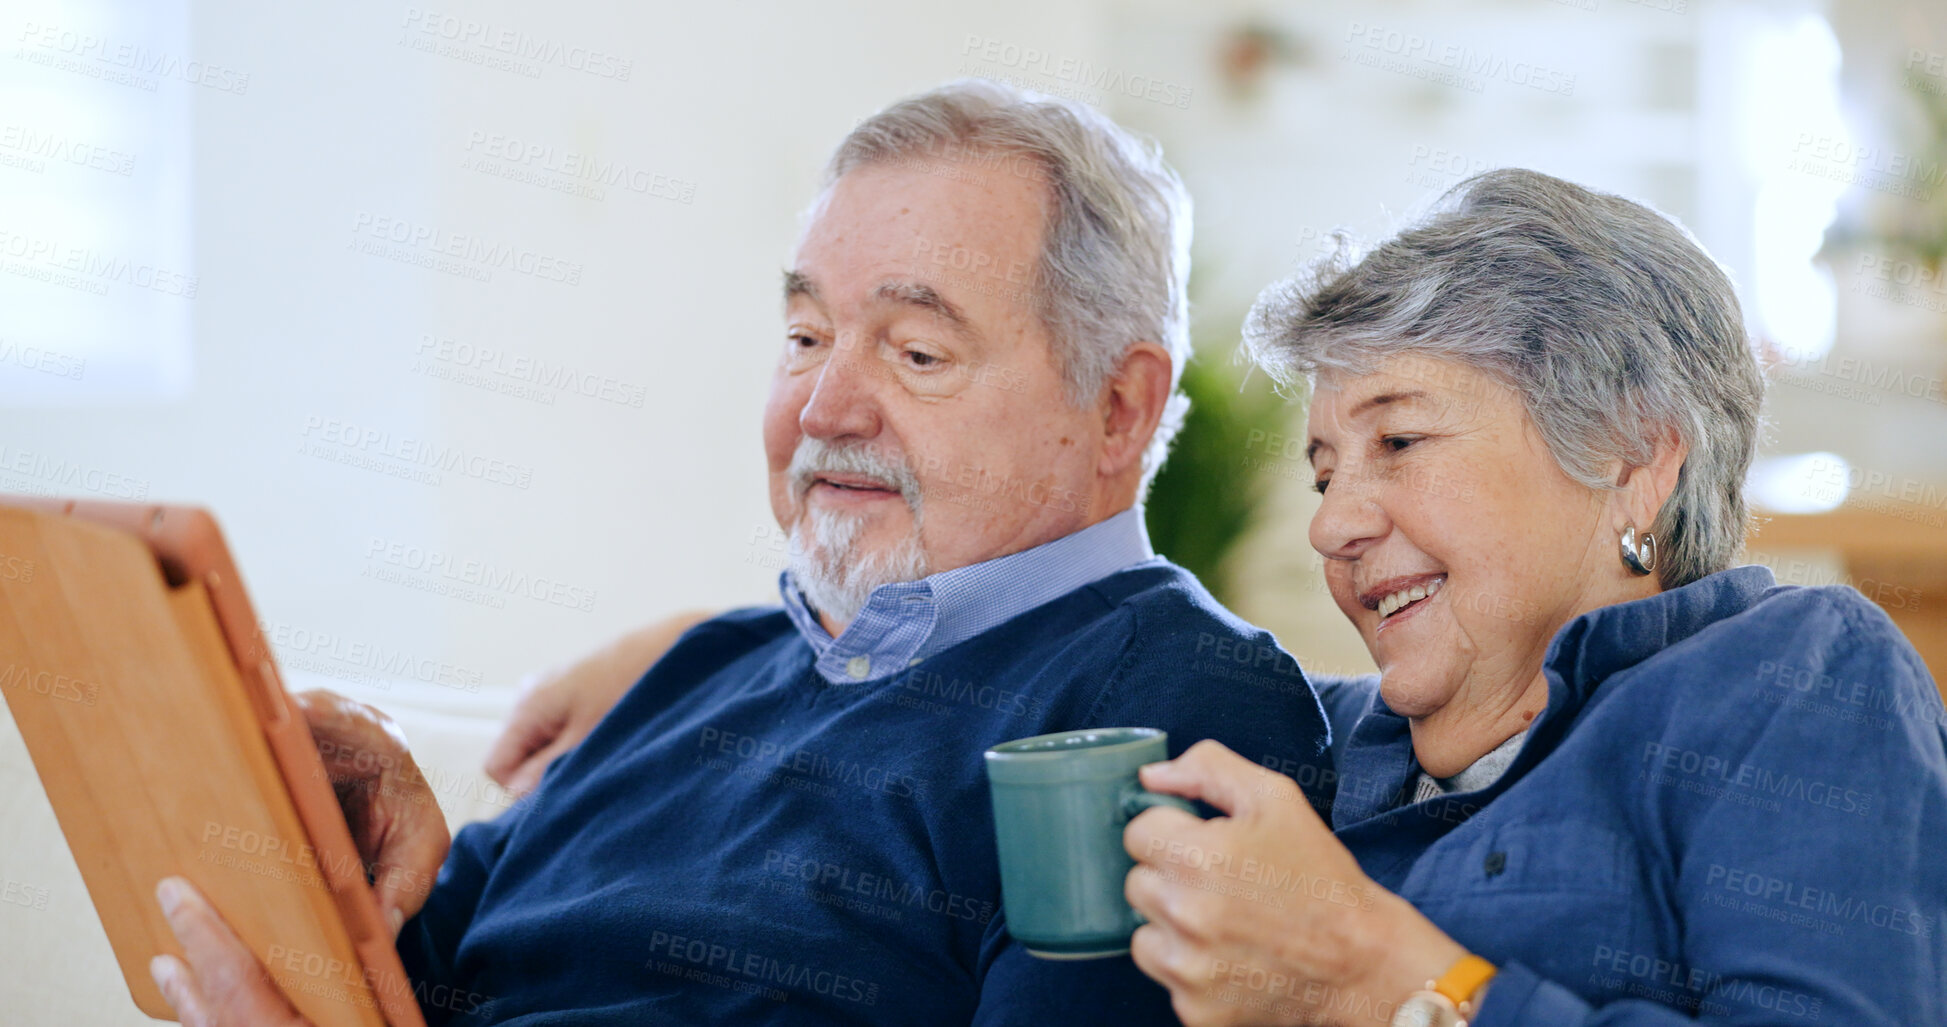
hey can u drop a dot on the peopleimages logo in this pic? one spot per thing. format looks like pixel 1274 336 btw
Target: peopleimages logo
pixel 330 653
pixel 16 568
pixel 1822 901
pixel 480 573
pixel 21 679
pixel 64 149
pixel 424 29
pixel 1745 783
pixel 1452 64
pixel 1837 158
pixel 46 361
pixel 21 894
pixel 24 470
pixel 1034 61
pixel 575 166
pixel 1913 705
pixel 510 373
pixel 1691 987
pixel 457 253
pixel 762 969
pixel 90 269
pixel 879 888
pixel 123 62
pixel 339 438
pixel 714 745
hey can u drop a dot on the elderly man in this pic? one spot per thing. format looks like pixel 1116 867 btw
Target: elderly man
pixel 786 819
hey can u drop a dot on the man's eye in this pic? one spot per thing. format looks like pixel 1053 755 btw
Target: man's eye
pixel 920 358
pixel 1396 443
pixel 1319 485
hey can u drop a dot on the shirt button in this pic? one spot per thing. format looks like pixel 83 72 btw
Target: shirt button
pixel 1496 862
pixel 858 667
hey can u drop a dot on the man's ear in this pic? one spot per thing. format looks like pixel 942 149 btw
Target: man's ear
pixel 1645 489
pixel 1132 406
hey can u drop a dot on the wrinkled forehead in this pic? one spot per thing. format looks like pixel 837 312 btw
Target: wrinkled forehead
pixel 975 243
pixel 982 200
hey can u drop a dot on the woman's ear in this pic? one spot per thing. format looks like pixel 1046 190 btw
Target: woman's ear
pixel 1645 489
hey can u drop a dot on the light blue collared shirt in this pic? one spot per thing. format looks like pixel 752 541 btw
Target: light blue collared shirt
pixel 908 621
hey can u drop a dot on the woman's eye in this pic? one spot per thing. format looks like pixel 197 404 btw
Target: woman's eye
pixel 921 359
pixel 1319 485
pixel 800 340
pixel 1395 443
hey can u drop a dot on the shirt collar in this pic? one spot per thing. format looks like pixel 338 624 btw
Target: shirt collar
pixel 1587 651
pixel 1605 641
pixel 909 621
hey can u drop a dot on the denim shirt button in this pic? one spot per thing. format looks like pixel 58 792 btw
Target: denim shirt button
pixel 1496 862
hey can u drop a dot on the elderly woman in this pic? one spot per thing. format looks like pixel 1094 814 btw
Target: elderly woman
pixel 1585 787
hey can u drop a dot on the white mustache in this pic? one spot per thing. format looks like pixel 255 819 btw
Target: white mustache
pixel 815 457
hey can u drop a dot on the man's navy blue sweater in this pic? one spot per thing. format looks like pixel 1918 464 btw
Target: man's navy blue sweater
pixel 740 841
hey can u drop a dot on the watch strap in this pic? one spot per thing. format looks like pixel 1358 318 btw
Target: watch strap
pixel 1464 978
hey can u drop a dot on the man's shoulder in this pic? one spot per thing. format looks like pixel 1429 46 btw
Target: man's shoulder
pixel 1168 609
pixel 1189 664
pixel 754 622
pixel 1157 588
pixel 729 637
pixel 1102 616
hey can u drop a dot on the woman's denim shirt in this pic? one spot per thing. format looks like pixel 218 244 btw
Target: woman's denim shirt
pixel 1734 810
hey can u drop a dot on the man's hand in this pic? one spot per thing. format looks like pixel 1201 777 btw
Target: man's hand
pixel 223 985
pixel 558 708
pixel 393 815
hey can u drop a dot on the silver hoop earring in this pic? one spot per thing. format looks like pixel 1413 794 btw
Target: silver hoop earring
pixel 1640 558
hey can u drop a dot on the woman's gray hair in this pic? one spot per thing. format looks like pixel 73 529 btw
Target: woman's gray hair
pixel 1115 255
pixel 1608 318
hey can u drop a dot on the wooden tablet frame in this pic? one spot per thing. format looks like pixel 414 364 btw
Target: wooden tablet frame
pixel 134 666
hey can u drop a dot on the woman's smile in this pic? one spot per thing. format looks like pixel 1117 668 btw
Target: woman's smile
pixel 1398 599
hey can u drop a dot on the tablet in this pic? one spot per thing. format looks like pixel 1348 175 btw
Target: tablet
pixel 133 664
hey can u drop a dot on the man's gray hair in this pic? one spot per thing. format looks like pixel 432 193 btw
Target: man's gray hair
pixel 1608 318
pixel 1115 254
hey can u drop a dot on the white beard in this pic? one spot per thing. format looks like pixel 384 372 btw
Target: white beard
pixel 826 563
pixel 836 578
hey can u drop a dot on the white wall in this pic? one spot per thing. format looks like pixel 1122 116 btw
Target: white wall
pixel 637 510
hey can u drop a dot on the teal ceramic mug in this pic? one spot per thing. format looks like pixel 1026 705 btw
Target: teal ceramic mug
pixel 1060 804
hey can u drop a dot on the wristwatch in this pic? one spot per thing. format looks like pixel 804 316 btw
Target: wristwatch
pixel 1449 1001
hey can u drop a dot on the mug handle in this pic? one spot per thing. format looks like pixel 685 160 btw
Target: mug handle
pixel 1136 798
